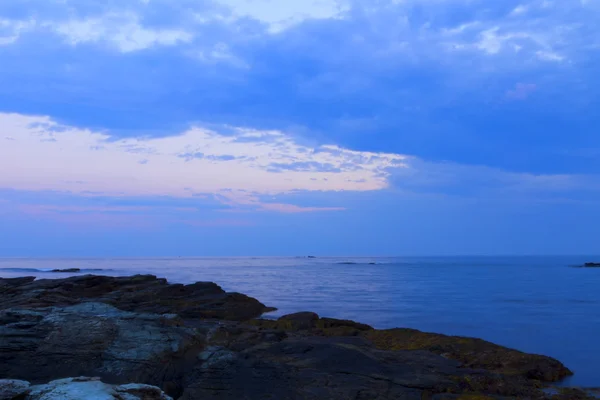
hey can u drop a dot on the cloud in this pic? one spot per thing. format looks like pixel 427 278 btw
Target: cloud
pixel 11 30
pixel 280 15
pixel 480 181
pixel 381 75
pixel 45 155
pixel 521 91
pixel 124 31
pixel 549 56
pixel 41 209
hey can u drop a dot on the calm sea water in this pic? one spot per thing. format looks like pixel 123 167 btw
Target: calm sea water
pixel 534 304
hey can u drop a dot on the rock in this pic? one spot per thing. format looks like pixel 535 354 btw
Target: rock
pixel 313 324
pixel 591 264
pixel 311 368
pixel 94 339
pixel 67 270
pixel 199 342
pixel 7 283
pixel 301 320
pixel 140 293
pixel 93 389
pixel 11 389
pixel 472 353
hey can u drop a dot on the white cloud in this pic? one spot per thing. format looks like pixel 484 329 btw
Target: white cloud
pixel 121 30
pixel 279 15
pixel 11 30
pixel 549 56
pixel 48 156
pixel 519 10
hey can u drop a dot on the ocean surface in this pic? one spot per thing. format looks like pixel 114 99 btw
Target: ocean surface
pixel 535 304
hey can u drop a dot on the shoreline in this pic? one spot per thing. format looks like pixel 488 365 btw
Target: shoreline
pixel 206 325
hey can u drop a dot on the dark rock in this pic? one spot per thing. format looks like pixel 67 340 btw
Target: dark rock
pixel 6 283
pixel 311 323
pixel 67 270
pixel 591 264
pixel 94 339
pixel 140 293
pixel 198 342
pixel 330 324
pixel 472 353
pixel 301 320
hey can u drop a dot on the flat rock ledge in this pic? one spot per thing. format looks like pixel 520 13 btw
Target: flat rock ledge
pixel 199 342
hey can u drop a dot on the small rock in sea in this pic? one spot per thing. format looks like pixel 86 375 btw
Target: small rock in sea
pixel 67 270
pixel 591 264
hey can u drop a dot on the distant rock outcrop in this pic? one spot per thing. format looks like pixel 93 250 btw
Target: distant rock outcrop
pixel 591 264
pixel 69 270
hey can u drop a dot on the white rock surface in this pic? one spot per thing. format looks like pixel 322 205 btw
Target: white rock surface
pixel 81 388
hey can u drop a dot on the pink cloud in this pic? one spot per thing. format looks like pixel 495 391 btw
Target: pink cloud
pixel 39 209
pixel 521 91
pixel 292 209
pixel 218 222
pixel 100 220
pixel 253 203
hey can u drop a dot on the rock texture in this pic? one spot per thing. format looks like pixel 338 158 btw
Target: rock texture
pixel 81 388
pixel 13 389
pixel 198 342
pixel 140 293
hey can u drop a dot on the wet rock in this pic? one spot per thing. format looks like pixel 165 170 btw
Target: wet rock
pixel 11 389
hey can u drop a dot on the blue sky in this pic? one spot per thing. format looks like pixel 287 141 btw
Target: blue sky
pixel 260 127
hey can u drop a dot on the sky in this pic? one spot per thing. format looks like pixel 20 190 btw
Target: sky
pixel 297 127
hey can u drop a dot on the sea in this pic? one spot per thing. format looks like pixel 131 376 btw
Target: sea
pixel 542 305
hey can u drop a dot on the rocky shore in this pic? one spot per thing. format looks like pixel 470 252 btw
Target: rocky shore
pixel 140 337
